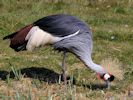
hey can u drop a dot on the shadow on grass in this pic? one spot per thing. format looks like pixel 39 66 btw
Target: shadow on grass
pixel 46 75
pixel 95 86
pixel 42 74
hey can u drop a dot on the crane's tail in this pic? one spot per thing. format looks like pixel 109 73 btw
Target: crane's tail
pixel 9 36
pixel 17 39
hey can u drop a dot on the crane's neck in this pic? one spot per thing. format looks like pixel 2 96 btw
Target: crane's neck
pixel 95 67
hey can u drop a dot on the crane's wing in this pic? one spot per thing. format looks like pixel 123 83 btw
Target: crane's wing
pixel 61 25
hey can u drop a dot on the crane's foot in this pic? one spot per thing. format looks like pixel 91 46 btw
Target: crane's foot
pixel 67 79
pixel 64 78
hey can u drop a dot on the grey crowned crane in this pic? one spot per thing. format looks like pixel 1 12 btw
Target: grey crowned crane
pixel 65 33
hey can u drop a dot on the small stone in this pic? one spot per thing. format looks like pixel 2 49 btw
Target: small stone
pixel 112 37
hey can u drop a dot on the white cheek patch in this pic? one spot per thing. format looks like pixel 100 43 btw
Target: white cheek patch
pixel 106 76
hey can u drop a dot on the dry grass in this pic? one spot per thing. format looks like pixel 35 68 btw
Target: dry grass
pixel 114 67
pixel 26 89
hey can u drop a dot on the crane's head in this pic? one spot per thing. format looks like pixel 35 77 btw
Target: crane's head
pixel 107 77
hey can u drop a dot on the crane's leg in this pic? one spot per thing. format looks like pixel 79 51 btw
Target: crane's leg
pixel 64 67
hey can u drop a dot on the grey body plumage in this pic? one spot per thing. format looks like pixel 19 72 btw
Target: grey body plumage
pixel 80 45
pixel 61 25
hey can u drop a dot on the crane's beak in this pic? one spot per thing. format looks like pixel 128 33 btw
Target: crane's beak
pixel 110 79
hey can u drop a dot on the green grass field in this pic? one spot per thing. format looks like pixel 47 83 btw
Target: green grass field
pixel 111 22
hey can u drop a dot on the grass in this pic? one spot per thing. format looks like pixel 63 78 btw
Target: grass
pixel 111 23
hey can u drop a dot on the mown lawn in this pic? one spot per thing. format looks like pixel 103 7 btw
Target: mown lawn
pixel 111 22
